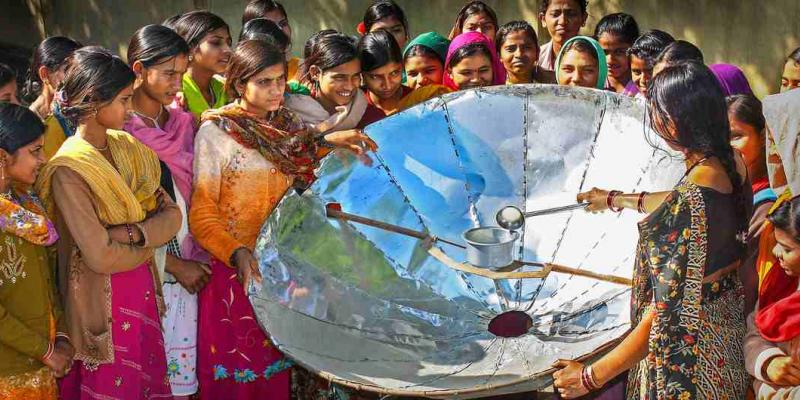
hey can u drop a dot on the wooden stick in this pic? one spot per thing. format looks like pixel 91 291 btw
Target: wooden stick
pixel 333 212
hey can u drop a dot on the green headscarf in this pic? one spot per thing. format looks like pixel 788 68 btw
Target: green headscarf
pixel 602 70
pixel 432 40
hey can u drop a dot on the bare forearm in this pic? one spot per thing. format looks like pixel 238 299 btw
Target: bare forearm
pixel 631 200
pixel 628 353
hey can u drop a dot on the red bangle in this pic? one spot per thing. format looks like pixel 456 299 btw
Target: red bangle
pixel 588 380
pixel 49 352
pixel 610 200
pixel 640 202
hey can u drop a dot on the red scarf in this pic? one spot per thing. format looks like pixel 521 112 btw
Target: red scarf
pixel 778 314
pixel 283 139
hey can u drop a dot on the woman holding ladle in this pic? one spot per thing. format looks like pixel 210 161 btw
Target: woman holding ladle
pixel 687 300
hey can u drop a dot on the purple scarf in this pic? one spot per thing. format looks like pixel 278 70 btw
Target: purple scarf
pixel 731 79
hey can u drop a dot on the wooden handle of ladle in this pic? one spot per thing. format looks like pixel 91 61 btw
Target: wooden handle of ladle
pixel 589 274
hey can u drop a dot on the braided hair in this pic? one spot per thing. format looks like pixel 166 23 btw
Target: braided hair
pixel 689 96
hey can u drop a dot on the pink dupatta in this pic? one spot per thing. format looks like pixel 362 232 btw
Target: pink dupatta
pixel 174 145
pixel 467 38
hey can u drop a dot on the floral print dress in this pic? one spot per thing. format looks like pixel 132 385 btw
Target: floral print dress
pixel 695 344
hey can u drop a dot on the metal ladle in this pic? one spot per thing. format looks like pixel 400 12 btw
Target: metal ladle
pixel 512 218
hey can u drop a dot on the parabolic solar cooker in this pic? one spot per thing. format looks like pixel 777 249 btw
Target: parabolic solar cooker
pixel 395 276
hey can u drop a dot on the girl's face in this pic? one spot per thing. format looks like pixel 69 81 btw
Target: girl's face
pixel 263 92
pixel 114 114
pixel 619 67
pixel 281 20
pixel 519 53
pixel 788 252
pixel 395 27
pixel 214 51
pixel 339 84
pixel 480 22
pixel 473 71
pixel 386 81
pixel 641 74
pixel 578 69
pixel 563 19
pixel 749 142
pixel 162 82
pixel 790 79
pixel 8 93
pixel 423 71
pixel 23 166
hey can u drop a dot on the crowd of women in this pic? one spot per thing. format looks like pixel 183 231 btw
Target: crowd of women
pixel 133 193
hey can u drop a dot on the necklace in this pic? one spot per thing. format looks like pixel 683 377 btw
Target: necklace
pixel 153 120
pixel 8 195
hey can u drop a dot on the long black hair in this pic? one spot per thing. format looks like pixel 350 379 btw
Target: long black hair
pixel 689 96
pixel 329 50
pixel 264 29
pixel 154 44
pixel 378 48
pixel 650 45
pixel 381 9
pixel 19 126
pixel 195 25
pixel 94 78
pixel 621 25
pixel 52 53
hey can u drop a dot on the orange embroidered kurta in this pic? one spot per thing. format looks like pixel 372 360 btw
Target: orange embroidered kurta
pixel 235 190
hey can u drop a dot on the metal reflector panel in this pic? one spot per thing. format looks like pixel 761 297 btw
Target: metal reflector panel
pixel 374 310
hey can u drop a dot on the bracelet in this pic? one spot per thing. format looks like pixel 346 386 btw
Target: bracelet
pixel 587 379
pixel 640 202
pixel 49 352
pixel 130 234
pixel 610 200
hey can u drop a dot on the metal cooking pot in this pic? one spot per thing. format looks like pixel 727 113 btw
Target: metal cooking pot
pixel 490 247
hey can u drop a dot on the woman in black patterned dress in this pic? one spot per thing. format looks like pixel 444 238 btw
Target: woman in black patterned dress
pixel 687 301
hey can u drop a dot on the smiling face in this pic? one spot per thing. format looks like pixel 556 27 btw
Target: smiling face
pixel 563 20
pixel 788 252
pixel 339 84
pixel 114 114
pixel 263 92
pixel 23 166
pixel 423 71
pixel 386 81
pixel 578 68
pixel 519 53
pixel 213 52
pixel 162 82
pixel 471 72
pixel 790 78
pixel 480 22
pixel 641 74
pixel 393 26
pixel 619 66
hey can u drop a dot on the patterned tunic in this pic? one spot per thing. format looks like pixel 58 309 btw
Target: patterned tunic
pixel 695 345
